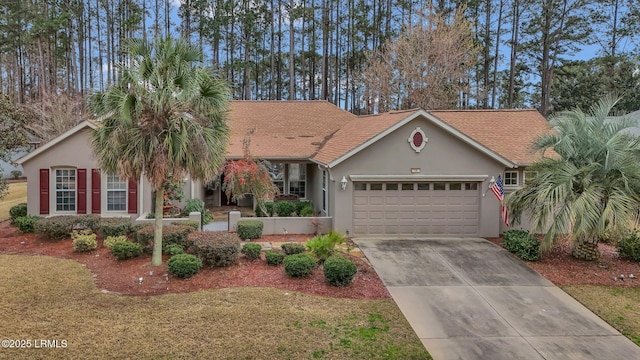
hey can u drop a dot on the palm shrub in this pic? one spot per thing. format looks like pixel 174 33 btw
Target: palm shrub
pixel 339 271
pixel 323 246
pixel 251 250
pixel 184 265
pixel 588 184
pixel 299 265
pixel 249 229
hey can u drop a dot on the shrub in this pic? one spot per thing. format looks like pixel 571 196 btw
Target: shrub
pixel 26 223
pixel 191 223
pixel 84 242
pixel 307 211
pixel 144 237
pixel 115 227
pixel 16 174
pixel 55 228
pixel 197 205
pixel 300 205
pixel 268 206
pixel 251 250
pixel 87 222
pixel 249 229
pixel 522 244
pixel 293 248
pixel 173 249
pixel 630 247
pixel 284 208
pixel 17 211
pixel 126 250
pixel 215 248
pixel 323 246
pixel 299 265
pixel 109 241
pixel 184 265
pixel 339 271
pixel 273 257
pixel 171 234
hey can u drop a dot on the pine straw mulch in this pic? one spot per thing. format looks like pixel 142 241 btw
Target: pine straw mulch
pixel 558 266
pixel 123 277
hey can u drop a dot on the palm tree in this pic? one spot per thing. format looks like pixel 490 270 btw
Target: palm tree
pixel 589 185
pixel 166 115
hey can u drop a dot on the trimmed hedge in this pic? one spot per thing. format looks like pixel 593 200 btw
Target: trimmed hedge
pixel 293 248
pixel 630 247
pixel 307 211
pixel 251 250
pixel 284 208
pixel 301 205
pixel 339 271
pixel 522 244
pixel 112 240
pixel 249 229
pixel 18 210
pixel 268 206
pixel 215 248
pixel 184 265
pixel 115 227
pixel 56 227
pixel 26 223
pixel 126 250
pixel 274 258
pixel 87 222
pixel 171 234
pixel 172 249
pixel 191 223
pixel 299 265
pixel 84 242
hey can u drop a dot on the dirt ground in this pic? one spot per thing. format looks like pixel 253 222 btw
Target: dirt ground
pixel 138 277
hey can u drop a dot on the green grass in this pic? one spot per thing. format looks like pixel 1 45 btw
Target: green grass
pixel 17 194
pixel 620 307
pixel 48 298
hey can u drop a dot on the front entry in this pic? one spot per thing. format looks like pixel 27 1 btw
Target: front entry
pixel 224 199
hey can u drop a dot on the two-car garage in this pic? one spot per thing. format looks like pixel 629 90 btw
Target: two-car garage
pixel 393 208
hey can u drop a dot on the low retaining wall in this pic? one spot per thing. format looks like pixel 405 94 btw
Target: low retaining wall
pixel 195 216
pixel 276 225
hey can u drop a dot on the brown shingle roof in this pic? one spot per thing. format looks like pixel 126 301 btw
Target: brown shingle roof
pixel 509 133
pixel 284 129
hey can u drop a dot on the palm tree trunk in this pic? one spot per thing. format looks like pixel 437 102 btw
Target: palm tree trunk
pixel 585 248
pixel 156 258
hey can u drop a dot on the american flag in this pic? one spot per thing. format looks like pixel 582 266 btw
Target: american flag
pixel 498 190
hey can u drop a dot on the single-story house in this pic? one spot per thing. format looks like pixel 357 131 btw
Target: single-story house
pixel 402 173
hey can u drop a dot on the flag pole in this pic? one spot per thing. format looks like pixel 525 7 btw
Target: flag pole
pixel 493 180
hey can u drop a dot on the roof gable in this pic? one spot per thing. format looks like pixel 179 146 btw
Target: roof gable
pixel 60 138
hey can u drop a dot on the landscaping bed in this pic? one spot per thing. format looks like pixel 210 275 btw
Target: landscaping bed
pixel 123 277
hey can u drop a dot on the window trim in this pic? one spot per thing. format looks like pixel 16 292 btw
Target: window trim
pixel 504 178
pixel 324 191
pixel 107 190
pixel 524 176
pixel 288 178
pixel 56 190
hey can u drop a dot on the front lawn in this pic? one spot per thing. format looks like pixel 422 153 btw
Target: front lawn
pixel 54 299
pixel 620 307
pixel 17 194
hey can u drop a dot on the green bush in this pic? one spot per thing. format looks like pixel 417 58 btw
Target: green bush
pixel 307 211
pixel 274 258
pixel 17 211
pixel 215 248
pixel 84 242
pixel 115 227
pixel 173 249
pixel 171 234
pixel 184 265
pixel 109 241
pixel 26 223
pixel 293 248
pixel 87 222
pixel 298 265
pixel 284 208
pixel 522 244
pixel 339 271
pixel 197 205
pixel 630 247
pixel 191 223
pixel 55 228
pixel 249 229
pixel 301 205
pixel 251 250
pixel 126 250
pixel 268 206
pixel 323 246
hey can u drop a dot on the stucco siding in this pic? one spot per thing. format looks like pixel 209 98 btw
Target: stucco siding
pixel 443 154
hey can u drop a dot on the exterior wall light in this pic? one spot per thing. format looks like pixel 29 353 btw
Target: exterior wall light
pixel 343 183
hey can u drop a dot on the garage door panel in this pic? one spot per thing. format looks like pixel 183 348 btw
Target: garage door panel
pixel 416 212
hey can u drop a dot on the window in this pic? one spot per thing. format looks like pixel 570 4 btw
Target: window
pixel 277 176
pixel 392 186
pixel 324 191
pixel 65 190
pixel 439 186
pixel 528 176
pixel 510 178
pixel 360 186
pixel 471 186
pixel 423 186
pixel 298 179
pixel 455 186
pixel 407 186
pixel 116 193
pixel 375 186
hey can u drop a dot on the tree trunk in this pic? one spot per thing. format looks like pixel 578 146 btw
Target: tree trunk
pixel 156 258
pixel 585 249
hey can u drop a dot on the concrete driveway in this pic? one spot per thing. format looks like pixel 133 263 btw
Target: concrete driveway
pixel 470 299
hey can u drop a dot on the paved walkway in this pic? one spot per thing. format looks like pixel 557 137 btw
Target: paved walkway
pixel 470 299
pixel 216 226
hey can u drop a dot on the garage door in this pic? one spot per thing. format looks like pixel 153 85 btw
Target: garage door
pixel 415 209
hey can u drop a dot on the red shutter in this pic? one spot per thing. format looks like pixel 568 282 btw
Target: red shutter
pixel 133 196
pixel 82 191
pixel 44 191
pixel 95 191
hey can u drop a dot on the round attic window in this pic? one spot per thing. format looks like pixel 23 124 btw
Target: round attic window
pixel 417 139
